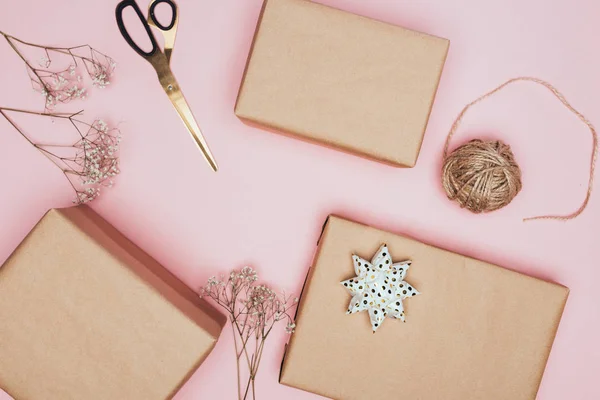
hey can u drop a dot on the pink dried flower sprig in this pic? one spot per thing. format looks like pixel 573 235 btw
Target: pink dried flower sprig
pixel 62 86
pixel 253 310
pixel 90 163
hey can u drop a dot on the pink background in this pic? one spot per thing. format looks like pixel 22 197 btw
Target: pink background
pixel 266 205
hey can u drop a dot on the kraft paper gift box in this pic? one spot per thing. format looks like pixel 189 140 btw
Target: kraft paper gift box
pixel 88 315
pixel 475 331
pixel 342 80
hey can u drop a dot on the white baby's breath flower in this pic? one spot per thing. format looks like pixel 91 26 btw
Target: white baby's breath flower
pixel 87 195
pixel 253 311
pixel 97 159
pixel 44 62
pixel 101 75
pixel 290 327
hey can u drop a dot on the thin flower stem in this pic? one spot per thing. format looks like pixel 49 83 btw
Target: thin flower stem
pixel 63 86
pixel 45 114
pixel 70 182
pixel 85 154
pixel 254 309
pixel 71 172
pixel 65 146
pixel 247 388
pixel 245 350
pixel 15 126
pixel 237 361
pixel 260 353
pixel 43 151
pixel 63 50
pixel 41 148
pixel 8 39
pixel 93 163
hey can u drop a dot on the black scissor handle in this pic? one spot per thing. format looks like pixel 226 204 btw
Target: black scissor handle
pixel 119 14
pixel 173 7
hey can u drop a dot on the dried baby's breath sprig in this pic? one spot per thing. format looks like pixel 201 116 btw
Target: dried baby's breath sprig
pixel 90 163
pixel 253 310
pixel 64 85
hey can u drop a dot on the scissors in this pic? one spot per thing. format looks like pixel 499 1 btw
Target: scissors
pixel 160 60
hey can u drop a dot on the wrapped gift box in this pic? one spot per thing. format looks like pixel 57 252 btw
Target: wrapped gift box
pixel 342 80
pixel 88 315
pixel 476 331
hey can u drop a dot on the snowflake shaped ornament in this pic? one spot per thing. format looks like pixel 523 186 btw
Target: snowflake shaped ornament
pixel 379 287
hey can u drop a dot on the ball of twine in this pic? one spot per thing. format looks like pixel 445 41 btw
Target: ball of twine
pixel 481 176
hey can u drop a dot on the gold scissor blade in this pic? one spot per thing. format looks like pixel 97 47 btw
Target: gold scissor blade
pixel 184 111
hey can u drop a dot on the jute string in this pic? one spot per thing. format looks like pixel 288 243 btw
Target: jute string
pixel 483 176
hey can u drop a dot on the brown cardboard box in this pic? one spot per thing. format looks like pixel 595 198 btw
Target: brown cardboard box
pixel 343 80
pixel 476 331
pixel 88 315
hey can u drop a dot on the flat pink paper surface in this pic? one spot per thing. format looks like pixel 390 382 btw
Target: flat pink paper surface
pixel 271 195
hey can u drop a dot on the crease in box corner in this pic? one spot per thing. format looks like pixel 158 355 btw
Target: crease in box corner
pixel 193 370
pixel 154 275
pixel 303 292
pixel 433 101
pixel 249 59
pixel 268 126
pixel 285 348
pixel 552 340
pixel 323 229
pixel 281 368
pixel 3 265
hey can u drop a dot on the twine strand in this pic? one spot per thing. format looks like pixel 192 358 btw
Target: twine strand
pixel 484 176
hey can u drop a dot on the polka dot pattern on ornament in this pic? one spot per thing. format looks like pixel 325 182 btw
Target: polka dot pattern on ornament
pixel 379 287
